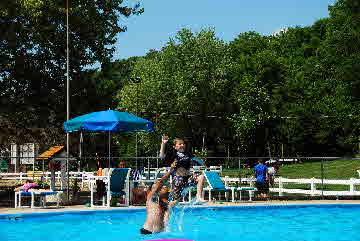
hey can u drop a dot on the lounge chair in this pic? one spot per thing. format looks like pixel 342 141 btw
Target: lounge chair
pixel 32 194
pixel 117 185
pixel 250 190
pixel 216 184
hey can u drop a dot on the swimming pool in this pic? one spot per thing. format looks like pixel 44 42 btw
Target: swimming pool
pixel 285 223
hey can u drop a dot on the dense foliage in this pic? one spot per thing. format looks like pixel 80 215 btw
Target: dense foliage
pixel 33 60
pixel 292 93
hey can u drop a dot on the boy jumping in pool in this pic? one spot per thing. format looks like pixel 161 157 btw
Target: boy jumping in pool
pixel 181 176
pixel 157 206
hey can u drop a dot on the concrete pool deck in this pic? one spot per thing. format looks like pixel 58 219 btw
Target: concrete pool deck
pixel 209 204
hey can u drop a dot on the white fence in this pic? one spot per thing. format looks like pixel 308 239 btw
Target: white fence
pixel 38 175
pixel 44 176
pixel 312 182
pixel 279 182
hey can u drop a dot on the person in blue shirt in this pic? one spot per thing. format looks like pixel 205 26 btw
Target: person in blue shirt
pixel 262 179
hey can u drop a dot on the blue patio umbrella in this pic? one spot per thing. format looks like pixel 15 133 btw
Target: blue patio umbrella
pixel 108 121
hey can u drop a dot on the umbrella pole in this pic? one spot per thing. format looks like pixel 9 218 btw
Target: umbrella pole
pixel 109 149
pixel 80 150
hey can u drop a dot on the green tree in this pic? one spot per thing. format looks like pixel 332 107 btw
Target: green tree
pixel 99 87
pixel 187 78
pixel 257 71
pixel 33 55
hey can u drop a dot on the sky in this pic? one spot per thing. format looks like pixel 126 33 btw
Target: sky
pixel 162 19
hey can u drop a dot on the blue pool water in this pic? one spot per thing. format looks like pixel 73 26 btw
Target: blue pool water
pixel 272 223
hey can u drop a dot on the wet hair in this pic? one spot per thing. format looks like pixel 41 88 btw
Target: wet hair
pixel 176 140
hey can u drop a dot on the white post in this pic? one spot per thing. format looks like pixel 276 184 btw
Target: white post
pixel 16 201
pixel 61 184
pixel 352 186
pixel 233 194
pixel 252 194
pixel 226 181
pixel 108 190
pixel 127 193
pixel 58 199
pixel 312 186
pixel 92 194
pixel 33 199
pixel 280 187
pixel 19 199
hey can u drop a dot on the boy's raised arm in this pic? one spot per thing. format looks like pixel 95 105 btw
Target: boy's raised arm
pixel 164 140
pixel 157 186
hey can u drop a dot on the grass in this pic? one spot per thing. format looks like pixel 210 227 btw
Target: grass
pixel 336 169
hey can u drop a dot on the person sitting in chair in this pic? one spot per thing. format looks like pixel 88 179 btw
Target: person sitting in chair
pixel 25 187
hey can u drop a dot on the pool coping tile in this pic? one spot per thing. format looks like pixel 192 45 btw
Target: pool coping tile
pixel 86 209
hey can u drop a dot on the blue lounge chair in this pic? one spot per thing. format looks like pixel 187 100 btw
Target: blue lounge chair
pixel 117 185
pixel 32 194
pixel 216 184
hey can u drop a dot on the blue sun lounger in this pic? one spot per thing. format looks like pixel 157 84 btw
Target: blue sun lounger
pixel 216 184
pixel 32 194
pixel 117 185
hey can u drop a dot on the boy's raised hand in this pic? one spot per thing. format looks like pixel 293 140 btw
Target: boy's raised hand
pixel 164 139
pixel 173 165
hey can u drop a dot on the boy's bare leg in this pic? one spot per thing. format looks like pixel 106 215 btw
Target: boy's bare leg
pixel 199 188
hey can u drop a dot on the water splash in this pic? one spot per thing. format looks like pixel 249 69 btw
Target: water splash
pixel 178 214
